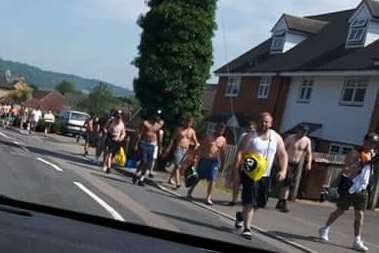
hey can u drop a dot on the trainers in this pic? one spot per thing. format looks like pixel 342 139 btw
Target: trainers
pixel 141 183
pixel 324 234
pixel 239 220
pixel 284 208
pixel 246 233
pixel 134 179
pixel 359 246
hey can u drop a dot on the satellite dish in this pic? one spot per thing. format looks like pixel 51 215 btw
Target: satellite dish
pixel 8 75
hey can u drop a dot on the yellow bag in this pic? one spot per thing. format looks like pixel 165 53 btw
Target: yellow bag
pixel 120 157
pixel 254 165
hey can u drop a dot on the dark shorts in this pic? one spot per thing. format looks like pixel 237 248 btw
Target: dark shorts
pixel 112 146
pixel 208 169
pixel 356 200
pixel 255 194
pixel 293 171
pixel 147 153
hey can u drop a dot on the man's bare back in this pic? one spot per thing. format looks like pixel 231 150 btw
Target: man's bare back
pixel 150 130
pixel 297 147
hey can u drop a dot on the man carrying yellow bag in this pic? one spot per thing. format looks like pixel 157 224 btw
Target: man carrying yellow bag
pixel 255 160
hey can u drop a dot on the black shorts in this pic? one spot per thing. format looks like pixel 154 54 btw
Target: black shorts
pixel 293 172
pixel 112 146
pixel 255 194
pixel 356 200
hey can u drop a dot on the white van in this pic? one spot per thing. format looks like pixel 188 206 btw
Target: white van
pixel 73 122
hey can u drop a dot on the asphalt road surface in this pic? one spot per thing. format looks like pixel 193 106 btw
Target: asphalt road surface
pixel 36 169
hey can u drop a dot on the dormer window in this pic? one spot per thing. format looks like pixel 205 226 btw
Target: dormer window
pixel 357 34
pixel 278 40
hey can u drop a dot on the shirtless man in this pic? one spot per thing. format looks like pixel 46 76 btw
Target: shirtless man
pixel 116 135
pixel 184 137
pixel 211 155
pixel 146 143
pixel 299 149
pixel 353 189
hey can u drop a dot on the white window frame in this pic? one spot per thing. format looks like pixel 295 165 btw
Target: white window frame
pixel 354 84
pixel 305 88
pixel 211 128
pixel 264 87
pixel 340 148
pixel 233 87
pixel 357 33
pixel 278 40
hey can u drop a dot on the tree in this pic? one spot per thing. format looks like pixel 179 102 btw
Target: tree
pixel 100 100
pixel 22 93
pixel 65 87
pixel 34 87
pixel 175 56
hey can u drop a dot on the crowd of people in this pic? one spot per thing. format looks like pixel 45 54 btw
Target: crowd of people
pixel 260 149
pixel 25 117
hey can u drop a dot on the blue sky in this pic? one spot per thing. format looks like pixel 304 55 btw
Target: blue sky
pixel 99 38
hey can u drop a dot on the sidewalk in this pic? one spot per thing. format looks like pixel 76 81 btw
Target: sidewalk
pixel 299 226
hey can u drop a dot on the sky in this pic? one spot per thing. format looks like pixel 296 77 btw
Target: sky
pixel 99 38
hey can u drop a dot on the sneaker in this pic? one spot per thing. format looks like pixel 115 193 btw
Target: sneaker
pixel 141 183
pixel 359 246
pixel 284 208
pixel 324 234
pixel 279 204
pixel 134 179
pixel 239 220
pixel 151 175
pixel 246 233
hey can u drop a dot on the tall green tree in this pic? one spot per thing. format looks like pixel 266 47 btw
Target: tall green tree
pixel 100 100
pixel 175 56
pixel 65 87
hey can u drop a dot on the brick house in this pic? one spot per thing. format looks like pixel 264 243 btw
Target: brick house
pixel 320 70
pixel 46 100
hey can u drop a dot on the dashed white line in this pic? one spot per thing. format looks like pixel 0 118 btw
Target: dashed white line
pixel 49 163
pixel 101 202
pixel 5 136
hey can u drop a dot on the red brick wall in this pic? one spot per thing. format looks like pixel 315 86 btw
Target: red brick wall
pixel 247 101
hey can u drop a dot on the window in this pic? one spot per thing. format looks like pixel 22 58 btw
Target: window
pixel 278 42
pixel 357 33
pixel 305 91
pixel 354 92
pixel 233 87
pixel 264 87
pixel 211 128
pixel 338 149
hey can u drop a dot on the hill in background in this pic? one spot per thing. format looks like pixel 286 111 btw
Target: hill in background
pixel 47 80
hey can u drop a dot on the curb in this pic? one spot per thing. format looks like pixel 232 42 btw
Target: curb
pixel 151 182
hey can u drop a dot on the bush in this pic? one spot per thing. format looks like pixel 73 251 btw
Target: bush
pixel 40 126
pixel 57 127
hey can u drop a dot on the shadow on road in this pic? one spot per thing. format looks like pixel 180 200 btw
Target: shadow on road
pixel 195 222
pixel 57 155
pixel 306 238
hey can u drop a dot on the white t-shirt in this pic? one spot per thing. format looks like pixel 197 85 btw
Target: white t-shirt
pixel 267 148
pixel 49 117
pixel 36 115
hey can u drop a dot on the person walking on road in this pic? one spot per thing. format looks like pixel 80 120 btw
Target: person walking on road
pixel 259 151
pixel 116 135
pixel 35 117
pixel 88 125
pixel 182 140
pixel 299 149
pixel 49 119
pixel 353 187
pixel 146 143
pixel 235 174
pixel 211 155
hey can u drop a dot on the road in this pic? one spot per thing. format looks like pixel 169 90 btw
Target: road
pixel 49 172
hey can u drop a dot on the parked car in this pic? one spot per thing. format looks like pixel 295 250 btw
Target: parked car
pixel 73 122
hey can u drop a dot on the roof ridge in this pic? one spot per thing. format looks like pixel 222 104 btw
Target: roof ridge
pixel 329 13
pixel 304 17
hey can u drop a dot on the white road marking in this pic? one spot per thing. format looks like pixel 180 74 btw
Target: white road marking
pixel 5 136
pixel 101 202
pixel 17 143
pixel 49 163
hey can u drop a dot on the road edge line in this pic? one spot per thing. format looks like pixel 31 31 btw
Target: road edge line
pixel 49 163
